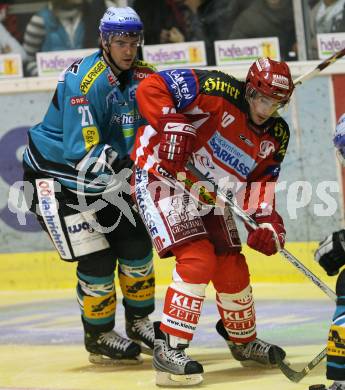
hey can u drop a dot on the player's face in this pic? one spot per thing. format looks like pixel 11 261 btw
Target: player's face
pixel 123 50
pixel 261 108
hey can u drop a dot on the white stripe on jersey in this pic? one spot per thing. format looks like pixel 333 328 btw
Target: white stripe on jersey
pixel 49 211
pixel 152 159
pixel 172 147
pixel 148 133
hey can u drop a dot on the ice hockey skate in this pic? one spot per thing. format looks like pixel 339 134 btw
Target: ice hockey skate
pixel 140 330
pixel 334 386
pixel 257 353
pixel 110 348
pixel 173 367
pixel 337 386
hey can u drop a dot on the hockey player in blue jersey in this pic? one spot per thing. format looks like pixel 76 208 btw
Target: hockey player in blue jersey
pixel 75 161
pixel 331 256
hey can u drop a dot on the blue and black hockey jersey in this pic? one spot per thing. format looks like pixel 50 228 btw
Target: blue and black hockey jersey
pixel 93 117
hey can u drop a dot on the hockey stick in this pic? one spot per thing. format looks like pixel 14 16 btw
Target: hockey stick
pixel 251 222
pixel 324 64
pixel 296 376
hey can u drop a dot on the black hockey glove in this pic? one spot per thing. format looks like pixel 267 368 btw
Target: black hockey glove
pixel 331 252
pixel 121 163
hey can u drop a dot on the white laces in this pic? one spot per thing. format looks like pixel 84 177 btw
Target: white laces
pixel 177 356
pixel 112 339
pixel 144 327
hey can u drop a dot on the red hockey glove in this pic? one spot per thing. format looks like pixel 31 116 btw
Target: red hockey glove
pixel 269 237
pixel 177 142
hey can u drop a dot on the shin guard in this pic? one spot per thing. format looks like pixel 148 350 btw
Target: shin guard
pixel 137 281
pixel 238 315
pixel 182 308
pixel 97 301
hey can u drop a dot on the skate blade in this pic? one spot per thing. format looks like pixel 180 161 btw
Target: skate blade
pixel 172 380
pixel 146 350
pixel 107 361
pixel 254 364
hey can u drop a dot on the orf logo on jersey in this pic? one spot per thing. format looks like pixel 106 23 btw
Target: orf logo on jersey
pixel 266 148
pixel 76 100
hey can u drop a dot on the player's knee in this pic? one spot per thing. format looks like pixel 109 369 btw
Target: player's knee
pixel 195 262
pixel 137 279
pixel 179 284
pixel 98 264
pixel 232 274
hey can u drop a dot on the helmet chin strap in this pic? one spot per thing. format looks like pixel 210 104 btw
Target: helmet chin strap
pixel 109 59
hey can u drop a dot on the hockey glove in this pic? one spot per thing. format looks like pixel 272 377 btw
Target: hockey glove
pixel 331 253
pixel 177 142
pixel 269 237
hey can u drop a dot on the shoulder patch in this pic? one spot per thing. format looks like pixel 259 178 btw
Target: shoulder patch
pixel 221 84
pixel 91 76
pixel 143 64
pixel 281 133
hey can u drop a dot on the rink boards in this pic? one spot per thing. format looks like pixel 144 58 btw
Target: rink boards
pixel 310 165
pixel 44 270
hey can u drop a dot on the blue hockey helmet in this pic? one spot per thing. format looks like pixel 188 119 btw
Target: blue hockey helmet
pixel 121 21
pixel 339 138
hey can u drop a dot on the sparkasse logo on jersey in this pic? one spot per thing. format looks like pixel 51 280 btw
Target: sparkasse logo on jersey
pixel 229 154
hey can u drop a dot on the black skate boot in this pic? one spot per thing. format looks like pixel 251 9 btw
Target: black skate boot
pixel 140 330
pixel 173 367
pixel 255 353
pixel 109 348
pixel 337 386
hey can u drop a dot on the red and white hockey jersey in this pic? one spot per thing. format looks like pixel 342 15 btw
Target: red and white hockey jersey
pixel 227 150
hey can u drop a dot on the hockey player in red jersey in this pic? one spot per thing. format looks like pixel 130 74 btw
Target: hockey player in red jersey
pixel 231 131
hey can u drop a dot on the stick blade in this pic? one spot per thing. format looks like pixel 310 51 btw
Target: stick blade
pixel 292 375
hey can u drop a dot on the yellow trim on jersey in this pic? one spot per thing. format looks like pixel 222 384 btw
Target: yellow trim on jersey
pixel 143 64
pixel 91 76
pixel 91 137
pixel 128 132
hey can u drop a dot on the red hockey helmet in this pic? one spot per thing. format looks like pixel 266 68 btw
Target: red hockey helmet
pixel 270 78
